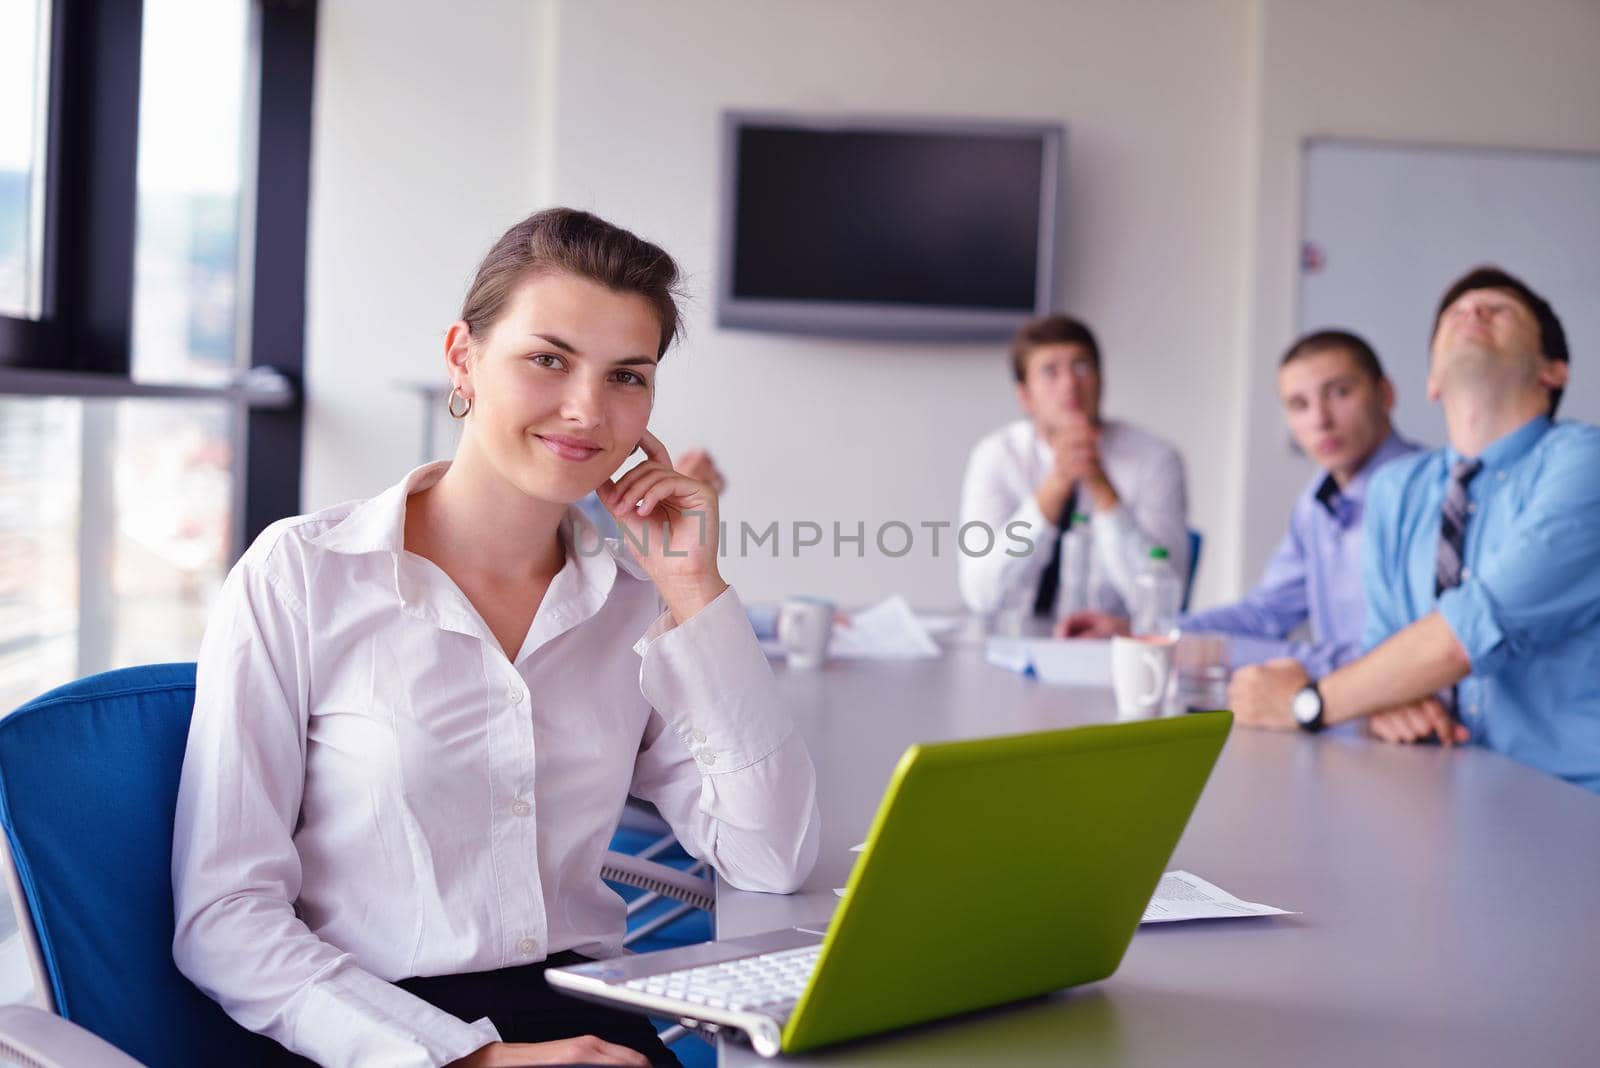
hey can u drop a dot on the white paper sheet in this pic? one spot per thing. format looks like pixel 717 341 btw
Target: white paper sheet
pixel 938 623
pixel 889 630
pixel 1182 895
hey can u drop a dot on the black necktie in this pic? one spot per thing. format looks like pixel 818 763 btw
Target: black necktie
pixel 1044 602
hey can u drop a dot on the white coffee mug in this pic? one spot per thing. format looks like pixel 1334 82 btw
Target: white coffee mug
pixel 805 625
pixel 1141 669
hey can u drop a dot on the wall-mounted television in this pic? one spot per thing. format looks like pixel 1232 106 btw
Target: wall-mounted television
pixel 886 228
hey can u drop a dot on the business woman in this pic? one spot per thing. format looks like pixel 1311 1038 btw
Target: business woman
pixel 417 716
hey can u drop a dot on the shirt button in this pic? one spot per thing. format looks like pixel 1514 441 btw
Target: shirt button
pixel 519 807
pixel 698 735
pixel 1472 507
pixel 708 759
pixel 1500 476
pixel 1466 572
pixel 514 694
pixel 527 947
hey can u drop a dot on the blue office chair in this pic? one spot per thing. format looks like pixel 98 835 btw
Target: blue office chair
pixel 1196 539
pixel 88 789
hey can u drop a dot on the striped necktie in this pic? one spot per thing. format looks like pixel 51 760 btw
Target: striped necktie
pixel 1453 527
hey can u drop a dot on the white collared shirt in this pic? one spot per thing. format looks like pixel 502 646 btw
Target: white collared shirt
pixel 373 791
pixel 1004 472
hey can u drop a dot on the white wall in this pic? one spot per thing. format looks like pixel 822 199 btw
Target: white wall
pixel 438 125
pixel 807 430
pixel 1464 72
pixel 426 143
pixel 866 432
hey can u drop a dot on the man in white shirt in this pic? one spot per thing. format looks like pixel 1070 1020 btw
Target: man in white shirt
pixel 1028 479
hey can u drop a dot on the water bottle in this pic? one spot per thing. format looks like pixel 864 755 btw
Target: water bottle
pixel 1076 543
pixel 1157 595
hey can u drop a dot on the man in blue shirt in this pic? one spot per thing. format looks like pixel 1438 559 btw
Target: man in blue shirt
pixel 1482 566
pixel 1336 401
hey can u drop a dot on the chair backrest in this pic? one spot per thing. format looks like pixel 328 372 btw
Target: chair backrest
pixel 88 786
pixel 1195 541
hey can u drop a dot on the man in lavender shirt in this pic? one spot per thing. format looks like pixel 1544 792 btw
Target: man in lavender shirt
pixel 1336 400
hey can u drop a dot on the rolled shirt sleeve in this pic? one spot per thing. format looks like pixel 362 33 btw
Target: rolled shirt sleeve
pixel 1541 583
pixel 235 869
pixel 722 761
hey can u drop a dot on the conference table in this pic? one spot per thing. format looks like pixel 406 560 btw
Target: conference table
pixel 1443 897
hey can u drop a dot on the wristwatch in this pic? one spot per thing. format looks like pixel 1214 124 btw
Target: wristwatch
pixel 1307 708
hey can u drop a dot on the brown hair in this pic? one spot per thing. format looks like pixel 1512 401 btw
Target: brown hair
pixel 580 244
pixel 1049 330
pixel 1337 341
pixel 1552 338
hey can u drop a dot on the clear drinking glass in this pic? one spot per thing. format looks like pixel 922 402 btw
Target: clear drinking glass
pixel 1202 672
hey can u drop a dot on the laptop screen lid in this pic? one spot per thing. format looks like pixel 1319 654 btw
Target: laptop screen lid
pixel 1003 868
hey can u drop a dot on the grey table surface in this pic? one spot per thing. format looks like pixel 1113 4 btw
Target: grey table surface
pixel 1444 896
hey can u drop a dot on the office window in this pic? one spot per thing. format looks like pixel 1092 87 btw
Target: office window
pixel 24 70
pixel 189 209
pixel 150 417
pixel 115 534
pixel 39 465
pixel 171 523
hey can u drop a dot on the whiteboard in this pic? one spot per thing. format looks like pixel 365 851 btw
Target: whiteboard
pixel 1388 227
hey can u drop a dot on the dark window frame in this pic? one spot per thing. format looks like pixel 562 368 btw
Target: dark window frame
pixel 80 345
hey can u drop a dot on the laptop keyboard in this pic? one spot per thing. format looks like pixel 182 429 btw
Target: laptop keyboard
pixel 769 984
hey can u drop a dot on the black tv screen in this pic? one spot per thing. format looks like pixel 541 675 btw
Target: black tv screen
pixel 878 229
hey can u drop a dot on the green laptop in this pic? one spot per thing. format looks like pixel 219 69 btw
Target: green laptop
pixel 996 869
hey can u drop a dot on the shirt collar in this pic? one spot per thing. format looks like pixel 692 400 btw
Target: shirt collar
pixel 576 593
pixel 1509 448
pixel 1330 494
pixel 598 558
pixel 378 524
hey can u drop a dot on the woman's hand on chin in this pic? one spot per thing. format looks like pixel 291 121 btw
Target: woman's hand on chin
pixel 670 523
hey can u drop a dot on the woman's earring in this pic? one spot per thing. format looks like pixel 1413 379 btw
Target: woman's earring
pixel 450 403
